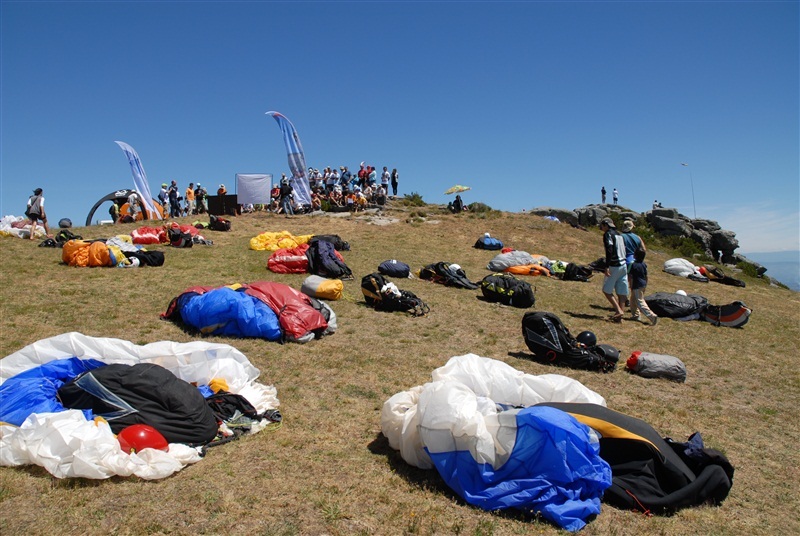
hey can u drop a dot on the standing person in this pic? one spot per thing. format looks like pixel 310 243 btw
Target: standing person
pixel 174 200
pixel 395 177
pixel 362 176
pixel 135 205
pixel 113 211
pixel 346 178
pixel 189 196
pixel 638 275
pixel 632 243
pixel 371 176
pixel 222 190
pixel 385 180
pixel 162 196
pixel 286 196
pixel 603 194
pixel 200 200
pixel 35 212
pixel 616 271
pixel 615 195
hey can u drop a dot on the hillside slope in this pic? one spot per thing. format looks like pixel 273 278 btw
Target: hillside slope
pixel 329 470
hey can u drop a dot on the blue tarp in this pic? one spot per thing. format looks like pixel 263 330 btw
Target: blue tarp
pixel 554 469
pixel 224 311
pixel 35 390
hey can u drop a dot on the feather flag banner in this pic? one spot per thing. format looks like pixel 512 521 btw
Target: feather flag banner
pixel 297 160
pixel 139 176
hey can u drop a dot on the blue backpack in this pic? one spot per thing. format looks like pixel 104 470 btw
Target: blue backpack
pixel 394 268
pixel 488 242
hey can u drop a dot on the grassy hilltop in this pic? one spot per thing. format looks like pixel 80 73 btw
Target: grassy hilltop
pixel 328 469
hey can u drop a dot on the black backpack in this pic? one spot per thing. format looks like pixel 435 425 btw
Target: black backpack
pixel 407 301
pixel 576 272
pixel 322 260
pixel 508 290
pixel 552 344
pixel 65 235
pixel 219 224
pixel 371 286
pixel 336 240
pixel 440 272
pixel 179 239
pixel 394 268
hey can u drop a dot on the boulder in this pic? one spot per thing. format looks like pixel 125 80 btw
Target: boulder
pixel 563 214
pixel 703 238
pixel 708 226
pixel 670 213
pixel 670 226
pixel 760 270
pixel 724 240
pixel 591 215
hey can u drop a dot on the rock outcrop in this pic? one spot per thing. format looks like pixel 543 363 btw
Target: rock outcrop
pixel 716 242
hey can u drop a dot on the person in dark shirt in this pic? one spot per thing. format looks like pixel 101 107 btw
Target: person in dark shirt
pixel 638 278
pixel 616 271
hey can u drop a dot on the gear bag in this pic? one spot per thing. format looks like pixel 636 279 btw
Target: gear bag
pixel 385 296
pixel 551 343
pixel 508 290
pixel 323 260
pixel 394 268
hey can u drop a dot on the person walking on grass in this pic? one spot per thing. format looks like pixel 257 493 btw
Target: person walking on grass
pixel 35 212
pixel 638 278
pixel 616 272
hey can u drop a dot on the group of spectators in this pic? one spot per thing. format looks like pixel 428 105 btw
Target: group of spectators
pixel 334 188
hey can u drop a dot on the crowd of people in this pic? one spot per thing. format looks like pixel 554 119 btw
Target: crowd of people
pixel 330 188
pixel 333 189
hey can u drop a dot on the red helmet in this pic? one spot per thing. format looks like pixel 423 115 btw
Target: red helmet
pixel 141 436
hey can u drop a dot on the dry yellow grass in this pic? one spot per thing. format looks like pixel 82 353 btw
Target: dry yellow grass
pixel 329 470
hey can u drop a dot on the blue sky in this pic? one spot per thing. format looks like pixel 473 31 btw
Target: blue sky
pixel 529 103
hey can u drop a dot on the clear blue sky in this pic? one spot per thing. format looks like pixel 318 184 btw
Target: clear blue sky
pixel 529 103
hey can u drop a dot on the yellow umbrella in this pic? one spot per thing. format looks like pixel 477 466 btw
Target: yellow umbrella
pixel 457 189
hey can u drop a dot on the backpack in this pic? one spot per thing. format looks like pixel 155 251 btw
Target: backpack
pixel 394 268
pixel 179 239
pixel 336 240
pixel 379 294
pixel 322 260
pixel 371 286
pixel 551 343
pixel 65 235
pixel 443 272
pixel 219 224
pixel 488 242
pixel 508 290
pixel 576 272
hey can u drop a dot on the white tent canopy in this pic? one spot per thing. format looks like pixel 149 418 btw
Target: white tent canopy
pixel 253 188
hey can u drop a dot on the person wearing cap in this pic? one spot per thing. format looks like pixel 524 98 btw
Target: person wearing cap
pixel 162 195
pixel 222 190
pixel 346 178
pixel 189 197
pixel 200 195
pixel 35 212
pixel 616 271
pixel 632 241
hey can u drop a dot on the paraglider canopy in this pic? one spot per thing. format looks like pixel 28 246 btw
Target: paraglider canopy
pixel 457 189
